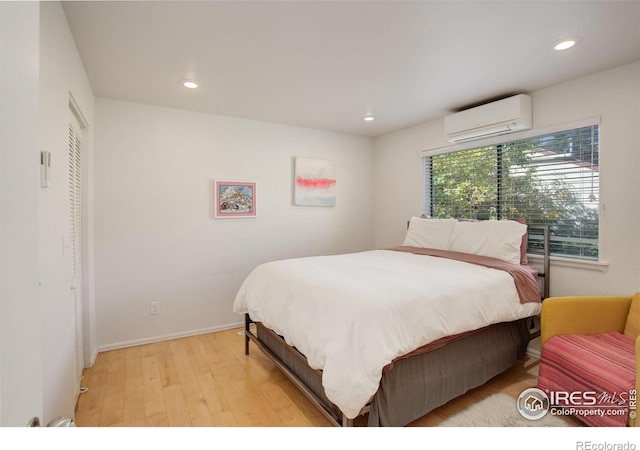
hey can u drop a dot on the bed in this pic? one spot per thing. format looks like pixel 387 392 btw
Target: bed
pixel 395 333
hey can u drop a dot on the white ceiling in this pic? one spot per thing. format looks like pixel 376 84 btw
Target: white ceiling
pixel 326 64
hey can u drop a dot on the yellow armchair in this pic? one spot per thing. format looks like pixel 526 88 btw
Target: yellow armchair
pixel 593 315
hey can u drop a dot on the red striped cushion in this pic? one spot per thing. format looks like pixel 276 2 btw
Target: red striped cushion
pixel 601 363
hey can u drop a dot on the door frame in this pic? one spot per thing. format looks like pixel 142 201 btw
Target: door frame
pixel 88 318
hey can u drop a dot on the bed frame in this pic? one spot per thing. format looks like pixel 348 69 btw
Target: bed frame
pixel 415 385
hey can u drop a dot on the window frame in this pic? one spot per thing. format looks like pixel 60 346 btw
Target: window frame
pixel 563 260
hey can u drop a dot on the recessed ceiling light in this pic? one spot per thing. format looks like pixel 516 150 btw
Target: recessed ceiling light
pixel 368 118
pixel 190 84
pixel 566 43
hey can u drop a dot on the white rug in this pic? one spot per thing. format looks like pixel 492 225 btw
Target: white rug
pixel 499 410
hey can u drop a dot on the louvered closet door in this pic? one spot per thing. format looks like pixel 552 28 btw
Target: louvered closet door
pixel 75 247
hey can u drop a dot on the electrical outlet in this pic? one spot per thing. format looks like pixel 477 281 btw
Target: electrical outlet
pixel 154 308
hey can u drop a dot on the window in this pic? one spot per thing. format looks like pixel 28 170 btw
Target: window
pixel 551 179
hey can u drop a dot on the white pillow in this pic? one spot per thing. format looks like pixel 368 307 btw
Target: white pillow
pixel 495 238
pixel 430 233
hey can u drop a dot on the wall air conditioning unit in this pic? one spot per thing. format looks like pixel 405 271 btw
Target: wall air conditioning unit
pixel 492 119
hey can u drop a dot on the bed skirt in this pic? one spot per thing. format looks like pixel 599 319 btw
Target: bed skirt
pixel 416 385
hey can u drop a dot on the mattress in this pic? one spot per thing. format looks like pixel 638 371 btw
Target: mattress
pixel 351 315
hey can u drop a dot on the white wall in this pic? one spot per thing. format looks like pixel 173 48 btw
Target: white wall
pixel 20 308
pixel 61 73
pixel 155 235
pixel 614 96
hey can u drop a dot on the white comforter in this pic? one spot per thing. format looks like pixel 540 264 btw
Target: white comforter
pixel 352 314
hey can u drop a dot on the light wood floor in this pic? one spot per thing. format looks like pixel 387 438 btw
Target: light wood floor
pixel 206 380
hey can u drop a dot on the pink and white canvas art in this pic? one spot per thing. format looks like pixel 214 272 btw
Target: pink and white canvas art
pixel 315 182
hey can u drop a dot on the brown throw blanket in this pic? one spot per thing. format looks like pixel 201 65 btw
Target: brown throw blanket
pixel 525 277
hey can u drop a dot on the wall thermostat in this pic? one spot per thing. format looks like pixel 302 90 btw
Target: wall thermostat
pixel 45 169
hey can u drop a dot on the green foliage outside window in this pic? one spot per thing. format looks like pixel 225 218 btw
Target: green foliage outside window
pixel 551 179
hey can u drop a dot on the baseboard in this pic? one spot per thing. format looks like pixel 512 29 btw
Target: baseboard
pixel 166 337
pixel 92 359
pixel 533 349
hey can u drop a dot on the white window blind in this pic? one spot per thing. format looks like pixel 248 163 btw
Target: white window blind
pixel 551 179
